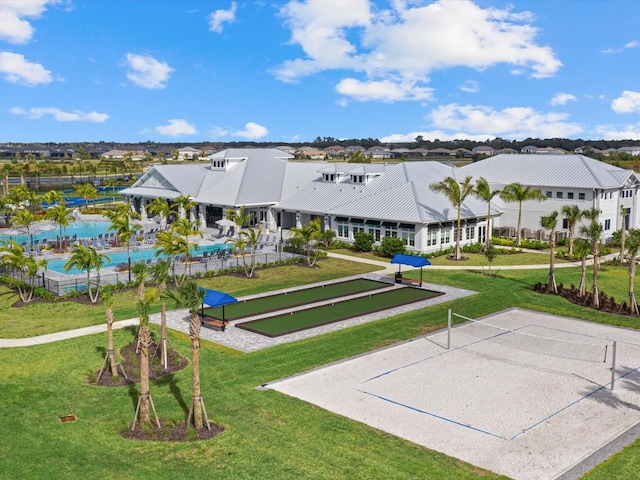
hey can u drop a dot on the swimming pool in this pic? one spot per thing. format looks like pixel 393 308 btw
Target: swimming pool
pixel 116 258
pixel 80 229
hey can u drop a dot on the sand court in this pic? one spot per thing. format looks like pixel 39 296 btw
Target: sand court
pixel 530 406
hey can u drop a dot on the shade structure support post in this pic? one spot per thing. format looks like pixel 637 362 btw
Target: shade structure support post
pixel 613 364
pixel 449 329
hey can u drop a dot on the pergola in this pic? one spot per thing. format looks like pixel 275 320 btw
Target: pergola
pixel 215 298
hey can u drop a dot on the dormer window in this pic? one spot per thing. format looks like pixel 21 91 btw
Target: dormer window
pixel 357 178
pixel 219 163
pixel 329 177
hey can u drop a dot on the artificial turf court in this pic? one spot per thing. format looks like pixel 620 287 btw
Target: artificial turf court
pixel 283 324
pixel 296 298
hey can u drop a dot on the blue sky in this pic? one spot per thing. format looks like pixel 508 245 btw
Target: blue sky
pixel 193 70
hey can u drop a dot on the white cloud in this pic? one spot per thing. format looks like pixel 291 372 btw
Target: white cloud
pixel 219 17
pixel 60 115
pixel 175 128
pixel 384 90
pixel 562 99
pixel 627 132
pixel 16 69
pixel 512 122
pixel 252 131
pixel 470 86
pixel 628 102
pixel 147 72
pixel 632 44
pixel 14 27
pixel 404 44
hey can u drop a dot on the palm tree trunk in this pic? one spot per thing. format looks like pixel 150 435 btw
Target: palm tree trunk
pixel 457 255
pixel 596 294
pixel 144 337
pixel 552 275
pixel 633 305
pixel 583 280
pixel 110 351
pixel 163 334
pixel 518 233
pixel 194 333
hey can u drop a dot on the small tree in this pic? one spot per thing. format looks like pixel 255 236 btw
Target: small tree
pixel 581 250
pixel 13 256
pixel 308 234
pixel 483 192
pixel 550 222
pixel 623 231
pixel 108 298
pixel 572 215
pixel 490 254
pixel 88 259
pixel 593 232
pixel 633 247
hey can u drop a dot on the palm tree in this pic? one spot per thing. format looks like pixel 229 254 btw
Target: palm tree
pixel 185 228
pixel 593 232
pixel 61 215
pixel 572 215
pixel 13 256
pixel 633 247
pixel 83 258
pixel 185 203
pixel 190 296
pixel 483 192
pixel 239 217
pixel 515 192
pixel 159 206
pixel 170 245
pixel 456 194
pixel 582 249
pixel 86 191
pixel 108 298
pixel 550 222
pixel 160 276
pixel 251 237
pixel 121 222
pixel 143 409
pixel 623 230
pixel 308 235
pixel 24 218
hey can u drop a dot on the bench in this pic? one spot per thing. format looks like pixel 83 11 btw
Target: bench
pixel 407 281
pixel 213 323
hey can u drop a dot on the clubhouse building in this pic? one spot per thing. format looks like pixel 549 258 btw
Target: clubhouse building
pixel 390 199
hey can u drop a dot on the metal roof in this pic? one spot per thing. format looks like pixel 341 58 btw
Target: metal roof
pixel 577 171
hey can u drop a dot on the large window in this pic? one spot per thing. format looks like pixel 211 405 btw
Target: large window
pixel 432 236
pixel 407 234
pixel 373 227
pixel 470 232
pixel 445 234
pixel 390 229
pixel 343 230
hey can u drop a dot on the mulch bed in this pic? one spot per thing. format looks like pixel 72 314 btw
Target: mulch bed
pixel 171 432
pixel 130 361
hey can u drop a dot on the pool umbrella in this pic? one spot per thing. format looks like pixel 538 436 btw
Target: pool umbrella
pixel 225 222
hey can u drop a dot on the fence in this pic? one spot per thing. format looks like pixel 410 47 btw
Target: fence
pixel 78 283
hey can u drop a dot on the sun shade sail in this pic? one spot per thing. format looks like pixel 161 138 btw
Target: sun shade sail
pixel 411 260
pixel 214 298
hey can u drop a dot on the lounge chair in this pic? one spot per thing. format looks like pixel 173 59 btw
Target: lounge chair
pixel 36 249
pixel 94 244
pixel 103 244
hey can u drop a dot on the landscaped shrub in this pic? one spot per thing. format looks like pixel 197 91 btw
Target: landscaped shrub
pixel 390 246
pixel 363 242
pixel 473 248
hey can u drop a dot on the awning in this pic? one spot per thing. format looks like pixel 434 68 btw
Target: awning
pixel 412 260
pixel 214 298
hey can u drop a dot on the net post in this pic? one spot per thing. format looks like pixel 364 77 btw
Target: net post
pixel 449 329
pixel 613 364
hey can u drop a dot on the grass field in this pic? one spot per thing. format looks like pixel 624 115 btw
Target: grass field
pixel 268 435
pixel 334 312
pixel 295 298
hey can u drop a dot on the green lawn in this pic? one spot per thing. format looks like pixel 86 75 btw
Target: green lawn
pixel 268 435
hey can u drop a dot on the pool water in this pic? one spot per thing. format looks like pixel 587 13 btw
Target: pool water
pixel 119 257
pixel 80 229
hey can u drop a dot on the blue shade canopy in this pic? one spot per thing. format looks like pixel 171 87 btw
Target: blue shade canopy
pixel 214 298
pixel 412 260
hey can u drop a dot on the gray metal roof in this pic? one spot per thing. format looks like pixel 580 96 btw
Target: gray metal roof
pixel 576 171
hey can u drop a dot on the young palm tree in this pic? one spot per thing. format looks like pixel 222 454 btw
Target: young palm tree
pixel 190 296
pixel 13 256
pixel 581 250
pixel 24 218
pixel 250 237
pixel 456 194
pixel 186 229
pixel 633 247
pixel 623 230
pixel 549 223
pixel 308 235
pixel 121 222
pixel 239 217
pixel 184 203
pixel 159 206
pixel 483 192
pixel 108 298
pixel 515 192
pixel 60 214
pixel 572 214
pixel 83 258
pixel 170 245
pixel 160 276
pixel 143 409
pixel 593 232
